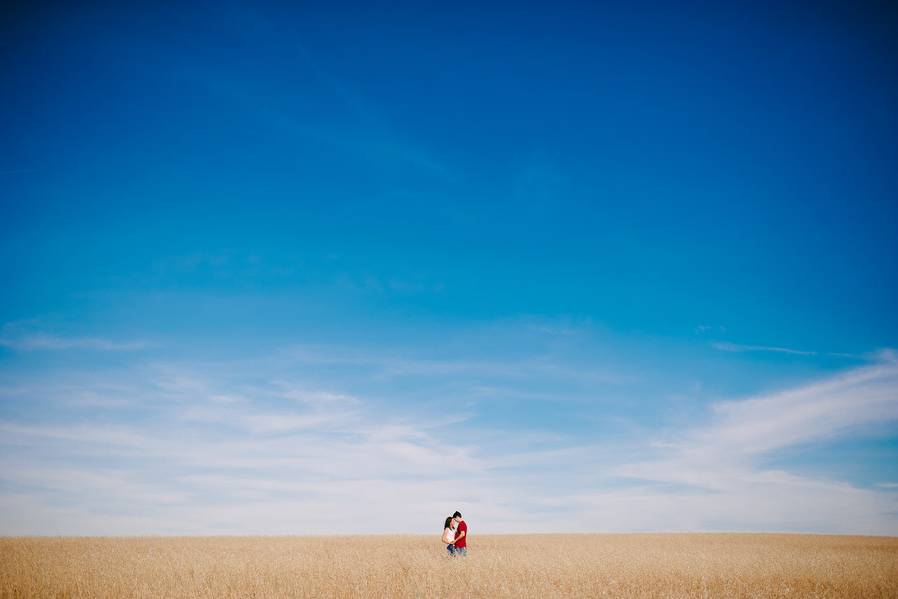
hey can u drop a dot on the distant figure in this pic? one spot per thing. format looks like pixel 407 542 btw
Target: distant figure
pixel 461 534
pixel 449 535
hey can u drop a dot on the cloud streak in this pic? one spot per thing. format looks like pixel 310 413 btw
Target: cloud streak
pixel 271 445
pixel 17 336
pixel 738 348
pixel 43 341
pixel 722 463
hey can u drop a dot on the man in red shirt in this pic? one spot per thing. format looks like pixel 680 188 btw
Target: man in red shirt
pixel 461 534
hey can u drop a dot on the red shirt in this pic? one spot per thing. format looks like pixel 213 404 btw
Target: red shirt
pixel 462 527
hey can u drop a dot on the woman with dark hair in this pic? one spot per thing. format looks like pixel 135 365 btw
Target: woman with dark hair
pixel 449 535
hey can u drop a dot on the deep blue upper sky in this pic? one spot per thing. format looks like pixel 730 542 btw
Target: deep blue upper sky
pixel 687 183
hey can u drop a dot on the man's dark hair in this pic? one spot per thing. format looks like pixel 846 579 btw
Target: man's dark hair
pixel 456 515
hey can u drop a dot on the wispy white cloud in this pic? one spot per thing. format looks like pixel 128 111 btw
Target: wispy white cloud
pixel 389 365
pixel 21 336
pixel 812 412
pixel 736 347
pixel 266 445
pixel 740 348
pixel 707 328
pixel 721 460
pixel 43 341
pixel 233 478
pixel 265 422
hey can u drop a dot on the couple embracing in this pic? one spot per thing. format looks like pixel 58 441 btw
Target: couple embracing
pixel 455 534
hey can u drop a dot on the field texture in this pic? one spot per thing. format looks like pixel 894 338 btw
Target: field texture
pixel 584 565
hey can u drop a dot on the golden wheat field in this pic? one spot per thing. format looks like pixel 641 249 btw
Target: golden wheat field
pixel 545 565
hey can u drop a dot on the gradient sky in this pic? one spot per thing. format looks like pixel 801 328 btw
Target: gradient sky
pixel 346 268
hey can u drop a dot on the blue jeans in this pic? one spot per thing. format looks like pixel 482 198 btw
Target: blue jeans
pixel 451 549
pixel 461 551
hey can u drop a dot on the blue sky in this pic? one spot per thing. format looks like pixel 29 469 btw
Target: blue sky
pixel 348 268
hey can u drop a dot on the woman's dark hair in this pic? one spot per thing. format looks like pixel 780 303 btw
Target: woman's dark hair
pixel 448 520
